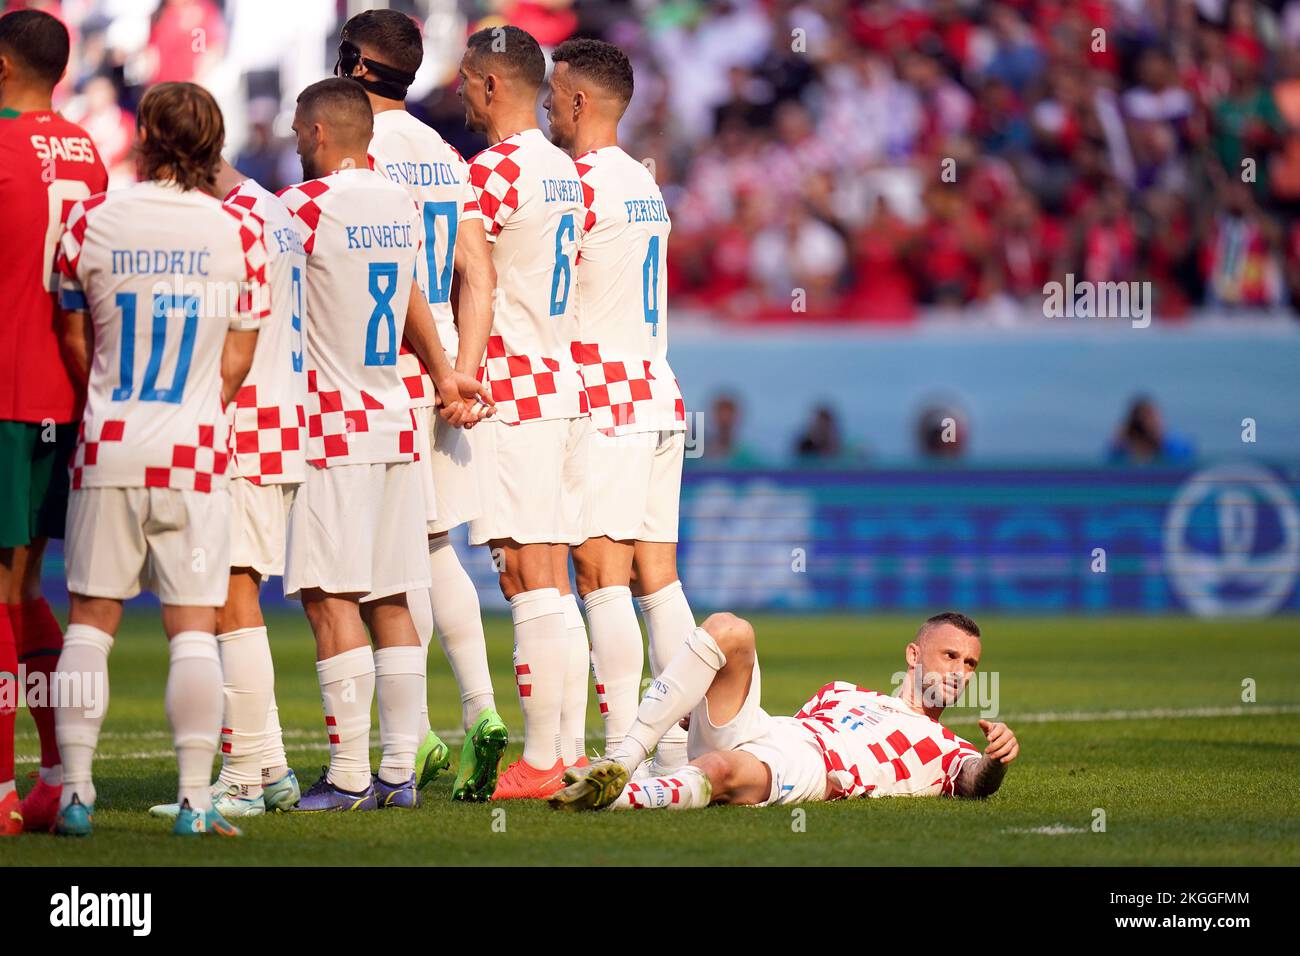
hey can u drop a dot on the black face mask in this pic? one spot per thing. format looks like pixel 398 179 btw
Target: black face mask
pixel 392 83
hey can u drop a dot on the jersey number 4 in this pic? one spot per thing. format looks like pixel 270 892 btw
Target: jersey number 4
pixel 163 307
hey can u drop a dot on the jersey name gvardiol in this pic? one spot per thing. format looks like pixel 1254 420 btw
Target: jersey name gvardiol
pixel 531 201
pixel 164 274
pixel 361 237
pixel 268 415
pixel 435 176
pixel 622 298
pixel 875 745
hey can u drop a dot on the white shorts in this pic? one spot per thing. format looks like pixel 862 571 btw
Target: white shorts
pixel 449 463
pixel 636 484
pixel 424 417
pixel 535 479
pixel 174 543
pixel 782 743
pixel 355 529
pixel 259 525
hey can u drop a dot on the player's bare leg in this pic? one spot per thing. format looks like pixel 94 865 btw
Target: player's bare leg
pixel 577 671
pixel 668 619
pixel 716 663
pixel 527 575
pixel 604 567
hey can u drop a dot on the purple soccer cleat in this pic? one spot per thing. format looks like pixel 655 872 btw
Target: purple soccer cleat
pixel 325 797
pixel 396 796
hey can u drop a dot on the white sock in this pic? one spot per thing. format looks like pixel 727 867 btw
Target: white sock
pixel 668 619
pixel 400 686
pixel 686 788
pixel 577 674
pixel 51 776
pixel 541 660
pixel 616 657
pixel 274 762
pixel 83 672
pixel 672 695
pixel 458 622
pixel 193 702
pixel 422 617
pixel 248 686
pixel 7 787
pixel 347 688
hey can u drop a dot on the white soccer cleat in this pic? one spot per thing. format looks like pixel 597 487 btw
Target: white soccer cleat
pixel 225 800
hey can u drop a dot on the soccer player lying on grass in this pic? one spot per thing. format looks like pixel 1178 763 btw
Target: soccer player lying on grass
pixel 844 742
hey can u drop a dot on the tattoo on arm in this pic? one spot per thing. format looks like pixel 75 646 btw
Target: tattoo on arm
pixel 980 778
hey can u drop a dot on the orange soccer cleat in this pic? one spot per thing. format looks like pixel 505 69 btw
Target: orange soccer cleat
pixel 40 807
pixel 582 761
pixel 523 781
pixel 11 817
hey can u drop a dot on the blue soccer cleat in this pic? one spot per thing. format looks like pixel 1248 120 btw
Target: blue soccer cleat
pixel 279 796
pixel 191 822
pixel 400 796
pixel 324 797
pixel 75 819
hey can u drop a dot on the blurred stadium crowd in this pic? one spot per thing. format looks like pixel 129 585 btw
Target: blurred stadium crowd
pixel 845 159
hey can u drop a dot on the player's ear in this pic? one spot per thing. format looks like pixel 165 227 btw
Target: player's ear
pixel 913 653
pixel 579 103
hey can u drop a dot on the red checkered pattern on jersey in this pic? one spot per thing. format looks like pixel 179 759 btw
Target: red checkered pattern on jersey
pixel 74 235
pixel 414 376
pixel 192 466
pixel 330 425
pixel 255 295
pixel 618 390
pixel 262 437
pixel 521 385
pixel 300 200
pixel 493 175
pixel 588 195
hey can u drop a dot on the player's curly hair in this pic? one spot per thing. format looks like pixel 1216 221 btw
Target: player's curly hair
pixel 183 133
pixel 599 61
pixel 513 48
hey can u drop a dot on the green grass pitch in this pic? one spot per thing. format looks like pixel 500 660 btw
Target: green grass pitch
pixel 1141 718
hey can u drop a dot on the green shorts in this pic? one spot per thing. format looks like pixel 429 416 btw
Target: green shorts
pixel 33 481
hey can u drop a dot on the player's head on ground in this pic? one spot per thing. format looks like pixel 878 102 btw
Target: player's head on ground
pixel 942 657
pixel 381 50
pixel 179 135
pixel 590 83
pixel 503 68
pixel 333 124
pixel 33 51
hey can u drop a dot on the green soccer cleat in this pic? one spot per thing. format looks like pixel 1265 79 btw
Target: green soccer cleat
pixel 593 787
pixel 480 757
pixel 431 759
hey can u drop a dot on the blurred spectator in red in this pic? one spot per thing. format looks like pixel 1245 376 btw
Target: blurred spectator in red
pixel 188 37
pixel 953 248
pixel 1109 239
pixel 1239 258
pixel 883 289
pixel 111 128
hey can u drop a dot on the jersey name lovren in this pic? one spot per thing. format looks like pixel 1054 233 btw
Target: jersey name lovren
pixel 875 745
pixel 164 274
pixel 622 298
pixel 268 412
pixel 361 239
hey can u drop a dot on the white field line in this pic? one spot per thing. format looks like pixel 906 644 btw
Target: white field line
pixel 455 737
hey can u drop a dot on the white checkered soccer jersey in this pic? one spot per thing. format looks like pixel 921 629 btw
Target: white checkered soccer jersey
pixel 268 412
pixel 876 746
pixel 436 177
pixel 361 237
pixel 164 273
pixel 531 202
pixel 622 298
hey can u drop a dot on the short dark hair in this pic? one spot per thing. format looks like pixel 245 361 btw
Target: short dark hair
pixel 599 61
pixel 39 40
pixel 389 33
pixel 341 104
pixel 514 48
pixel 184 134
pixel 957 619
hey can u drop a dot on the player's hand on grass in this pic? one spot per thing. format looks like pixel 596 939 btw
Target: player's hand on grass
pixel 1003 745
pixel 463 400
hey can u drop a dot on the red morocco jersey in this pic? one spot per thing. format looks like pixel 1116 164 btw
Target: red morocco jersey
pixel 876 746
pixel 268 414
pixel 164 274
pixel 531 201
pixel 622 298
pixel 361 237
pixel 436 178
pixel 46 164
